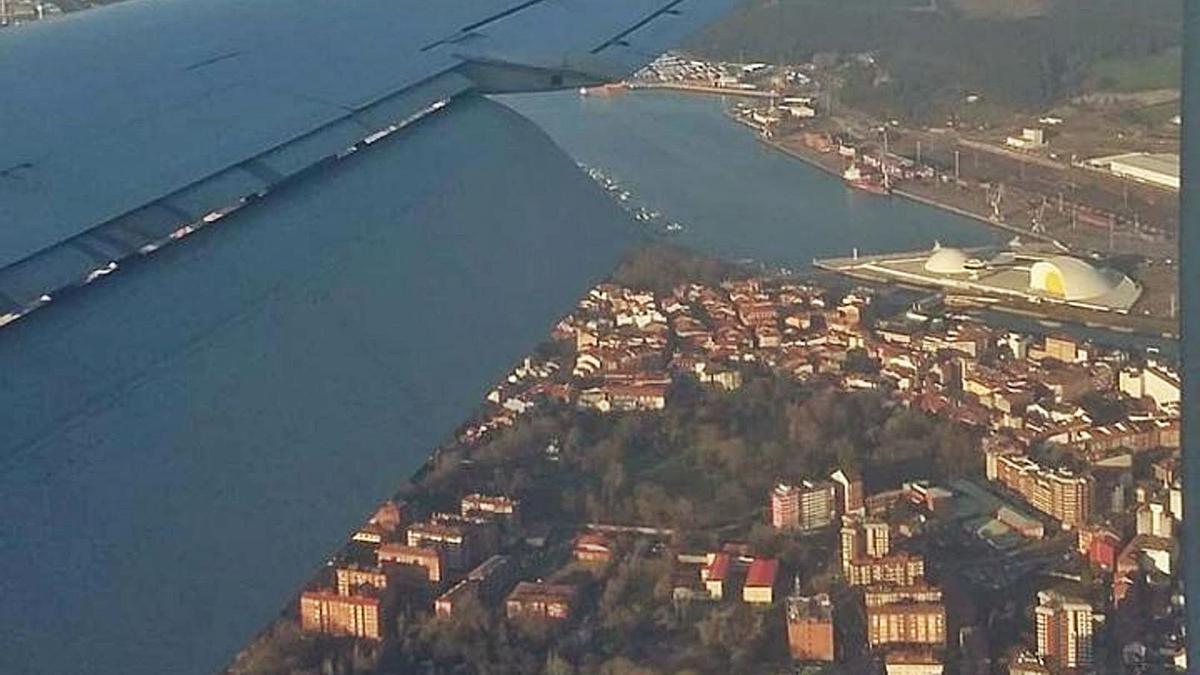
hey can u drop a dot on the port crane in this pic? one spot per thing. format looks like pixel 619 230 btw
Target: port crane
pixel 1036 224
pixel 994 199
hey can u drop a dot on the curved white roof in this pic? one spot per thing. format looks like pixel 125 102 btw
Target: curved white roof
pixel 1073 279
pixel 947 260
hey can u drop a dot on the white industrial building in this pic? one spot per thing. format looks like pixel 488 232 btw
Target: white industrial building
pixel 1158 168
pixel 1027 272
pixel 1156 381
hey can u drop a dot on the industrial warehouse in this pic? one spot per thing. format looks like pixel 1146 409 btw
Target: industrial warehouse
pixel 1160 169
pixel 1031 273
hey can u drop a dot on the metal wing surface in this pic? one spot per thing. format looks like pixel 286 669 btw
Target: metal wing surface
pixel 120 126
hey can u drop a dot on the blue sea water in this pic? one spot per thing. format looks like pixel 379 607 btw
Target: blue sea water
pixel 681 155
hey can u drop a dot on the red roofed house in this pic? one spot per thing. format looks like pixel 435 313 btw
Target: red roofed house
pixel 716 573
pixel 760 581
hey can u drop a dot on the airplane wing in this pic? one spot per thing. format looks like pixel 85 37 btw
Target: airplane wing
pixel 122 127
pixel 187 438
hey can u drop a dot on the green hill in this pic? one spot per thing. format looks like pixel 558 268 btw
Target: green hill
pixel 1019 53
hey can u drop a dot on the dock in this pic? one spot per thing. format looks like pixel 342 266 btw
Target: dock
pixel 701 89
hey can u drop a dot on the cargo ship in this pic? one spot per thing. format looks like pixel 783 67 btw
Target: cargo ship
pixel 859 180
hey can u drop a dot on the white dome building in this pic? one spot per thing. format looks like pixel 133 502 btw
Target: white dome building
pixel 947 260
pixel 1072 279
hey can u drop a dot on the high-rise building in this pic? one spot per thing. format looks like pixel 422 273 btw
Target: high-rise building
pixel 1062 495
pixel 902 569
pixel 1154 519
pixel 863 538
pixel 349 578
pixel 810 627
pixel 333 614
pixel 806 506
pixel 1064 630
pixel 848 490
pixel 430 560
pixel 852 546
pixel 878 538
pixel 910 623
pixel 889 594
pixel 785 506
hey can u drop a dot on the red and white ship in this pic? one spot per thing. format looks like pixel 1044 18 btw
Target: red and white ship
pixel 856 178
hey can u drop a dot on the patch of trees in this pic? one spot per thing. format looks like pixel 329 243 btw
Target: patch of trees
pixel 704 467
pixel 933 58
pixel 662 267
pixel 710 459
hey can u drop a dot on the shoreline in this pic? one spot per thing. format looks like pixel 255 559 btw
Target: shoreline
pixel 904 194
pixel 698 89
pixel 1100 322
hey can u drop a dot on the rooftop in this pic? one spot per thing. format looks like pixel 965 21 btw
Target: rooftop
pixel 762 572
pixel 526 591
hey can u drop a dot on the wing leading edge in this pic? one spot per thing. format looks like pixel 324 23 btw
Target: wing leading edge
pixel 148 120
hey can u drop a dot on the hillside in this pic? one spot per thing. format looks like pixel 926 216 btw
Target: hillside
pixel 1019 53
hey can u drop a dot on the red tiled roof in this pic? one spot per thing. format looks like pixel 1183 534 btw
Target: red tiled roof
pixel 718 569
pixel 762 572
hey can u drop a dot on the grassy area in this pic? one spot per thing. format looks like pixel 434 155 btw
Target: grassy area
pixel 1158 71
pixel 1153 116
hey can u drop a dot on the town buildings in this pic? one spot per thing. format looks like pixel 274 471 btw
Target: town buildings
pixel 429 560
pixel 848 490
pixel 501 507
pixel 913 661
pixel 807 506
pixel 334 614
pixel 912 615
pixel 541 601
pixel 1059 493
pixel 902 569
pixel 1064 630
pixel 486 583
pixel 863 538
pixel 1023 399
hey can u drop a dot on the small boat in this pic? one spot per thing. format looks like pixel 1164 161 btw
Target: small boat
pixel 100 272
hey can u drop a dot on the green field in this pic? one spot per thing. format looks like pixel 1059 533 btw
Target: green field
pixel 1159 71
